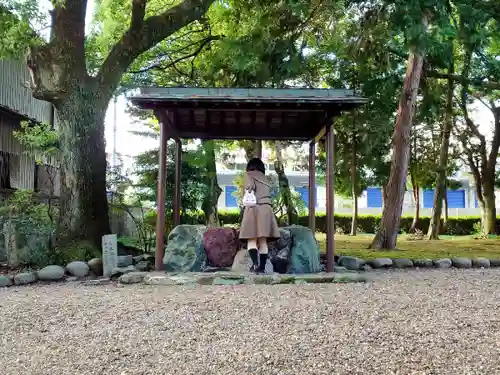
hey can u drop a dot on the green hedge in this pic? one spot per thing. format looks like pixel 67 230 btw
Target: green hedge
pixel 457 226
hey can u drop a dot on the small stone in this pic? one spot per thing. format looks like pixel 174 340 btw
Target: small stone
pixel 350 278
pixel 340 269
pixel 123 270
pixel 158 280
pixel 142 266
pixel 461 262
pixel 138 258
pixel 78 268
pixel 95 266
pixel 367 268
pixel 443 263
pixel 402 263
pixel 423 263
pixel 25 278
pixel 5 281
pixel 316 278
pixel 224 281
pixel 351 263
pixel 132 277
pixel 381 263
pixel 495 262
pixel 51 273
pixel 97 282
pixel 124 261
pixel 481 263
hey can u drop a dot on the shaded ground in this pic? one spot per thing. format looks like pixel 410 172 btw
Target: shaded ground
pixel 447 246
pixel 432 322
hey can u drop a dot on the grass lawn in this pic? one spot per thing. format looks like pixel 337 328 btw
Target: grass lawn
pixel 446 247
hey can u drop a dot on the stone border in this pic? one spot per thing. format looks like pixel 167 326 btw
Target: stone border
pixel 89 272
pixel 235 278
pixel 357 264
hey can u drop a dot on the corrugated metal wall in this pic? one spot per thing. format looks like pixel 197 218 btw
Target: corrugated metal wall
pixel 15 96
pixel 22 166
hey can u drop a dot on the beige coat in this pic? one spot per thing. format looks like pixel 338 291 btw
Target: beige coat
pixel 258 221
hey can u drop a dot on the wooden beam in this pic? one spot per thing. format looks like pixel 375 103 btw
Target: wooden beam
pixel 160 199
pixel 312 187
pixel 177 190
pixel 330 194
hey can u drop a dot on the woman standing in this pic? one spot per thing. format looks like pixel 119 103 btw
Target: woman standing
pixel 258 223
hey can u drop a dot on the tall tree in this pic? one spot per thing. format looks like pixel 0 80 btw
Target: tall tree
pixel 396 186
pixel 78 74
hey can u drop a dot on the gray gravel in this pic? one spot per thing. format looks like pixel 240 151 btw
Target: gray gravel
pixel 405 322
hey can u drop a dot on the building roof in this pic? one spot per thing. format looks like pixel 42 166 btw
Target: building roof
pixel 258 114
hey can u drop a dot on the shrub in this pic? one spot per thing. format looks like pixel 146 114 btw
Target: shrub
pixel 456 226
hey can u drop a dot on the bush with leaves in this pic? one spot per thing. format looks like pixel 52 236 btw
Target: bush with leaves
pixel 30 225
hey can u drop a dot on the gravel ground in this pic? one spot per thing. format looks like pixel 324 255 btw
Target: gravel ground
pixel 432 322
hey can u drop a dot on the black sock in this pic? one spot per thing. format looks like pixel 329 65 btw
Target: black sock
pixel 263 261
pixel 254 255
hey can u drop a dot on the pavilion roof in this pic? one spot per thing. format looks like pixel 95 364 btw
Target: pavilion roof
pixel 257 114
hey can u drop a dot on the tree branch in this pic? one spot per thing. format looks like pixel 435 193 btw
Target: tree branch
pixel 172 63
pixel 137 40
pixel 475 81
pixel 138 12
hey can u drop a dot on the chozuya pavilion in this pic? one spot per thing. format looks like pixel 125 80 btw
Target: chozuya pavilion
pixel 305 115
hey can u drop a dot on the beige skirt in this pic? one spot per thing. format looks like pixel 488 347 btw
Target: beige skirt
pixel 258 222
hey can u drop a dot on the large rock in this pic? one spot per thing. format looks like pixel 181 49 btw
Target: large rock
pixel 402 263
pixel 124 260
pixel 423 263
pixel 95 266
pixel 242 263
pixel 184 251
pixel 481 263
pixel 25 278
pixel 78 268
pixel 280 252
pixel 221 246
pixel 5 281
pixel 51 273
pixel 351 263
pixel 381 263
pixel 305 250
pixel 443 263
pixel 495 262
pixel 461 262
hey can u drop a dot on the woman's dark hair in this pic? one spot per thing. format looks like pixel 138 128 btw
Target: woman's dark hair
pixel 255 164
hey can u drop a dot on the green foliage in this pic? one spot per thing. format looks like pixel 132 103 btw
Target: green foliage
pixel 39 139
pixel 457 226
pixel 32 227
pixel 192 178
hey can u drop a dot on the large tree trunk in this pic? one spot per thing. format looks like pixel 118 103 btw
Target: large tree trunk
pixel 488 209
pixel 393 205
pixel 5 170
pixel 59 75
pixel 440 189
pixel 213 191
pixel 284 186
pixel 84 203
pixel 354 190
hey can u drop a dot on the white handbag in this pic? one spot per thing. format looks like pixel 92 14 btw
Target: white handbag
pixel 249 199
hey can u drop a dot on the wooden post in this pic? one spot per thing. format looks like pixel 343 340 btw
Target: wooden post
pixel 160 200
pixel 312 186
pixel 177 191
pixel 330 209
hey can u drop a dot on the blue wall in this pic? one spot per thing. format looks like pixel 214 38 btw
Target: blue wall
pixel 456 198
pixel 231 201
pixel 374 197
pixel 304 194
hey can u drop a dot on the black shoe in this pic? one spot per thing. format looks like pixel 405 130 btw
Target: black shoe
pixel 254 255
pixel 262 263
